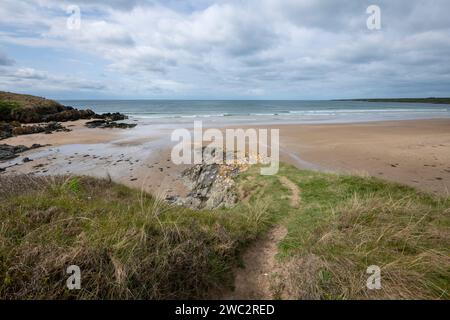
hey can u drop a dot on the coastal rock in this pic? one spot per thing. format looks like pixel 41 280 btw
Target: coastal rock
pixel 69 114
pixel 6 130
pixel 211 185
pixel 47 114
pixel 32 109
pixel 116 116
pixel 8 152
pixel 108 124
pixel 47 128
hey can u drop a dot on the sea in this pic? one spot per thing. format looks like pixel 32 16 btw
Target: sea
pixel 222 112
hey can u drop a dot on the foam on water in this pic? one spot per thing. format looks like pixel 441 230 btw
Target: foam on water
pixel 180 112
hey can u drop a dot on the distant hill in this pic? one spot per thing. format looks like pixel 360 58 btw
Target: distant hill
pixel 27 101
pixel 26 108
pixel 405 100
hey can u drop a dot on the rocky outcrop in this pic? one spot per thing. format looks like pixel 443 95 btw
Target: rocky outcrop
pixel 8 152
pixel 109 124
pixel 46 114
pixel 18 109
pixel 69 114
pixel 8 130
pixel 46 128
pixel 115 116
pixel 30 109
pixel 211 185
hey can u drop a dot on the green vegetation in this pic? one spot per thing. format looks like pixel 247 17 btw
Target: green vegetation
pixel 6 107
pixel 131 245
pixel 26 100
pixel 347 223
pixel 406 100
pixel 26 108
pixel 127 243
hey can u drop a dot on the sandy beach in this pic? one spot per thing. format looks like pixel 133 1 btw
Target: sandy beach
pixel 415 153
pixel 80 134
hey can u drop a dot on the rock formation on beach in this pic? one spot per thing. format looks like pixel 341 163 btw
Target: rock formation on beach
pixel 109 124
pixel 211 185
pixel 18 111
pixel 31 109
pixel 8 152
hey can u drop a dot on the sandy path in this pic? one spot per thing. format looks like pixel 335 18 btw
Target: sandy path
pixel 295 192
pixel 253 281
pixel 260 266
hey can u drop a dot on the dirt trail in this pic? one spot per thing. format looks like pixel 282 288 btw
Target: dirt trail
pixel 253 281
pixel 295 192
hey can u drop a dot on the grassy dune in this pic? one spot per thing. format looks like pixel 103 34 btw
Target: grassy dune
pixel 131 245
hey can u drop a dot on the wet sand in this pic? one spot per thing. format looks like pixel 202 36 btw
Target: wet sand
pixel 141 162
pixel 415 153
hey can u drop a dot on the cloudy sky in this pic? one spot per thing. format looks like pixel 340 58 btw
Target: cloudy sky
pixel 202 49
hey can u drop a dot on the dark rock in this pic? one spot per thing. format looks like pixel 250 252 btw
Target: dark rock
pixel 171 198
pixel 95 123
pixel 69 114
pixel 108 124
pixel 116 116
pixel 46 114
pixel 46 128
pixel 26 159
pixel 8 152
pixel 120 125
pixel 6 130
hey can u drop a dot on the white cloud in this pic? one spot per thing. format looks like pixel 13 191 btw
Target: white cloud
pixel 24 78
pixel 236 48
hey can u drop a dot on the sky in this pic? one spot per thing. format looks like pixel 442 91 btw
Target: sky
pixel 202 49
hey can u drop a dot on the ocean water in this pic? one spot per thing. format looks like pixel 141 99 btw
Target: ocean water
pixel 177 112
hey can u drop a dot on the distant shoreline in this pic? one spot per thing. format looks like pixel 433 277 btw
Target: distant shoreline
pixel 403 100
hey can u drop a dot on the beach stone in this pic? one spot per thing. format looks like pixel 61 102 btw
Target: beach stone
pixel 8 152
pixel 116 116
pixel 45 128
pixel 210 185
pixel 109 124
pixel 6 130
